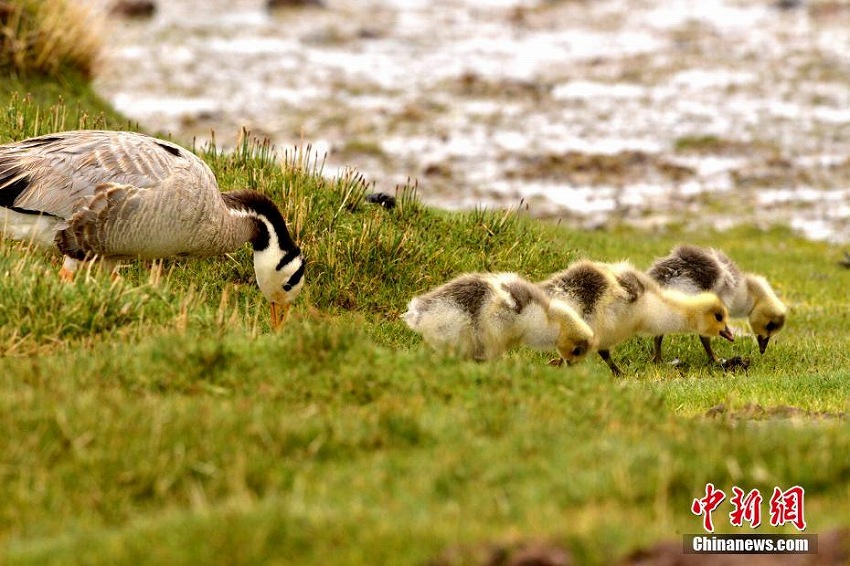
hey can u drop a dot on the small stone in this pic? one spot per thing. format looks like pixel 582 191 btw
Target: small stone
pixel 133 8
pixel 274 4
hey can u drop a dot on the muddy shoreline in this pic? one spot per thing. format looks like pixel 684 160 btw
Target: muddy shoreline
pixel 638 111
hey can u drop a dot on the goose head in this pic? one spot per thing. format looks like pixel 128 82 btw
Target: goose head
pixel 278 262
pixel 709 316
pixel 280 276
pixel 575 337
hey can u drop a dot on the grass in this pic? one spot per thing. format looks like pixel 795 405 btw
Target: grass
pixel 48 38
pixel 156 418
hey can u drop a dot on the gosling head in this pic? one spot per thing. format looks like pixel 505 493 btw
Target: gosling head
pixel 768 314
pixel 575 338
pixel 766 320
pixel 710 316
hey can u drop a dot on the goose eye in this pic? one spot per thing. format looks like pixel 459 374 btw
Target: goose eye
pixel 718 317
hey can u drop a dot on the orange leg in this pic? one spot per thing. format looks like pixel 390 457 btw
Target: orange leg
pixel 69 266
pixel 279 311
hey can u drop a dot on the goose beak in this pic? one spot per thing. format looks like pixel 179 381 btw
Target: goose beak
pixel 762 340
pixel 727 333
pixel 279 314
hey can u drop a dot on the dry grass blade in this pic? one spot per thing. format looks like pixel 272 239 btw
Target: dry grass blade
pixel 47 37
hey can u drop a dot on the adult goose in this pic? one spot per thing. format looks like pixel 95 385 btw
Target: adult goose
pixel 120 195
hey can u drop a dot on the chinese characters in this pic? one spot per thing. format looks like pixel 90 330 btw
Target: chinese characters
pixel 784 507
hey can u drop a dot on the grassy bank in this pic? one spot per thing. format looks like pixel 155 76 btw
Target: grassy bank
pixel 156 419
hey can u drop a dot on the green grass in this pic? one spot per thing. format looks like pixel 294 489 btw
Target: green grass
pixel 35 105
pixel 156 418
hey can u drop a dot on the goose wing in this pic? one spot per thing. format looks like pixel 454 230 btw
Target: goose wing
pixel 688 268
pixel 58 173
pixel 126 221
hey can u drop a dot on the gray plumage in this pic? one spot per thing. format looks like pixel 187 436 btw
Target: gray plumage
pixel 471 293
pixel 468 292
pixel 693 269
pixel 121 194
pixel 582 283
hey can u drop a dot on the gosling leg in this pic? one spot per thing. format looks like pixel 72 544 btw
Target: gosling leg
pixel 706 343
pixel 606 355
pixel 656 357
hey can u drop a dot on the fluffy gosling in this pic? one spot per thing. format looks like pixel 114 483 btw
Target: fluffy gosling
pixel 692 269
pixel 618 302
pixel 482 315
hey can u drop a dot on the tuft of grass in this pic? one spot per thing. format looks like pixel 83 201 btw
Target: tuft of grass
pixel 49 38
pixel 41 313
pixel 37 106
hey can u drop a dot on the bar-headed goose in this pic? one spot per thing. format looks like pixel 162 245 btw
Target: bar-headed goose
pixel 692 269
pixel 482 315
pixel 618 301
pixel 128 195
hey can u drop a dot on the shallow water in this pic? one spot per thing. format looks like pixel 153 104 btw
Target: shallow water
pixel 644 111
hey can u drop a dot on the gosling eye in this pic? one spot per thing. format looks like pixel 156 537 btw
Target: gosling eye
pixel 578 350
pixel 770 326
pixel 718 316
pixel 287 287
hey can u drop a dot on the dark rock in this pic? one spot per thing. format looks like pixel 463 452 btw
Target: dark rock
pixel 382 199
pixel 530 553
pixel 539 554
pixel 133 8
pixel 274 4
pixel 735 363
pixel 788 4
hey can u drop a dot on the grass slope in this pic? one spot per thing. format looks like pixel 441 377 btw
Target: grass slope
pixel 156 419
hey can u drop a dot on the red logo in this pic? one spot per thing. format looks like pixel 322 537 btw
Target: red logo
pixel 747 508
pixel 785 507
pixel 704 506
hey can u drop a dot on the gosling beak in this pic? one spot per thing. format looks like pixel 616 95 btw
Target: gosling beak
pixel 762 340
pixel 279 314
pixel 727 333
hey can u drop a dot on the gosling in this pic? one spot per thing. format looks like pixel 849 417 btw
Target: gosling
pixel 618 301
pixel 692 269
pixel 482 315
